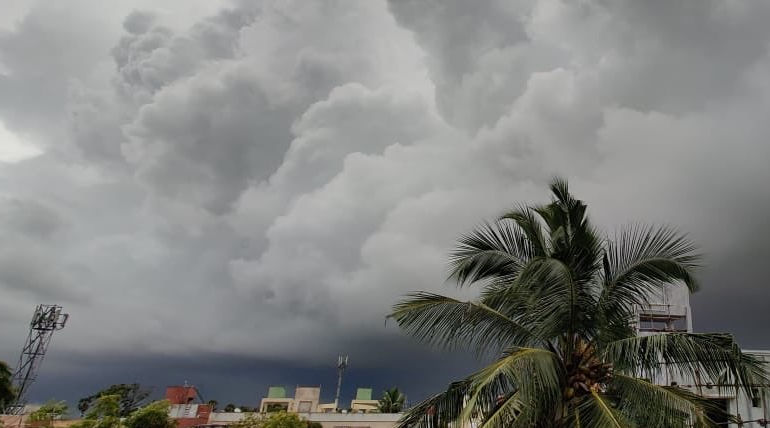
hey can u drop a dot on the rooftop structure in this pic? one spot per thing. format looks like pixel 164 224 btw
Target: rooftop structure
pixel 363 402
pixel 669 311
pixel 184 408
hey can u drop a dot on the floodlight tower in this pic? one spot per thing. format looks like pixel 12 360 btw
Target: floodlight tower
pixel 342 364
pixel 45 321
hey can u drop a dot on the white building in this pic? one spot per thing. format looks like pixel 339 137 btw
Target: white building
pixel 669 311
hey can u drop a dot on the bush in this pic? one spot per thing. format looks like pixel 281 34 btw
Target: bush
pixel 274 420
pixel 153 415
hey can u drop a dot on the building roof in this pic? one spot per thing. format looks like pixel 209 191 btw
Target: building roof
pixel 276 392
pixel 364 394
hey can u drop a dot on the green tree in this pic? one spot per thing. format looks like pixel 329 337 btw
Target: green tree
pixel 229 407
pixel 556 306
pixel 213 404
pixel 392 401
pixel 7 394
pixel 104 413
pixel 49 412
pixel 153 415
pixel 273 420
pixel 131 397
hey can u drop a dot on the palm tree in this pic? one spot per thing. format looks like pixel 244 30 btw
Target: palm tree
pixel 7 394
pixel 392 401
pixel 556 307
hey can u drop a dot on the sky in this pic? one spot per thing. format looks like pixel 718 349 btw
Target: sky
pixel 231 193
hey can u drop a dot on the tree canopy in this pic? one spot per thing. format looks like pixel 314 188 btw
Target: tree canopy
pixel 131 396
pixel 392 401
pixel 104 413
pixel 556 308
pixel 153 415
pixel 7 394
pixel 273 420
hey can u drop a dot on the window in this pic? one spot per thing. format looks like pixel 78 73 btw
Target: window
pixel 305 406
pixel 756 399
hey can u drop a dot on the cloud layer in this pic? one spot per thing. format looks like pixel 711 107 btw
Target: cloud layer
pixel 264 180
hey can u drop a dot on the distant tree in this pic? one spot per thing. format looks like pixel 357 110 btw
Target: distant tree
pixel 230 407
pixel 104 413
pixel 274 420
pixel 7 394
pixel 153 415
pixel 213 404
pixel 392 401
pixel 131 397
pixel 48 412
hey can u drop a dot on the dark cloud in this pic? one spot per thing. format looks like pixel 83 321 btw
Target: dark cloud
pixel 249 190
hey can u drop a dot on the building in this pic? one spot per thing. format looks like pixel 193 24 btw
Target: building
pixel 307 400
pixel 669 311
pixel 327 420
pixel 363 402
pixel 187 407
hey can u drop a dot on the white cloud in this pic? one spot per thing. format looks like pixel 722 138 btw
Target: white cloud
pixel 12 148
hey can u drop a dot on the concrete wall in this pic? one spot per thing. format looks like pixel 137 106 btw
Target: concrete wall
pixel 327 420
pixel 355 420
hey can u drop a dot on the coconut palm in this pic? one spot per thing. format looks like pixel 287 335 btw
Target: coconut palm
pixel 392 401
pixel 556 308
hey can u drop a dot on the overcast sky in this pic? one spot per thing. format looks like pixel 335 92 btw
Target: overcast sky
pixel 231 193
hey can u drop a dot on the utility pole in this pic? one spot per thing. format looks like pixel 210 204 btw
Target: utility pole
pixel 342 364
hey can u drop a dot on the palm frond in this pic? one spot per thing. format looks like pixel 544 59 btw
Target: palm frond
pixel 562 304
pixel 491 251
pixel 439 410
pixel 687 354
pixel 597 411
pixel 641 261
pixel 507 413
pixel 655 405
pixel 524 217
pixel 446 322
pixel 534 374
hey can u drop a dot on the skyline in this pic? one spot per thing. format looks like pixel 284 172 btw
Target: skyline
pixel 217 187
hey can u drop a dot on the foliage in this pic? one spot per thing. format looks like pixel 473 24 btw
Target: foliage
pixel 314 424
pixel 392 401
pixel 132 396
pixel 275 407
pixel 250 421
pixel 7 394
pixel 556 306
pixel 153 415
pixel 103 413
pixel 273 420
pixel 230 407
pixel 213 404
pixel 48 412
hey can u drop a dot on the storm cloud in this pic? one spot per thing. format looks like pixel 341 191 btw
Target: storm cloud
pixel 261 181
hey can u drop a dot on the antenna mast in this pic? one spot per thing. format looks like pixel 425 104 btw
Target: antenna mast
pixel 45 321
pixel 342 364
